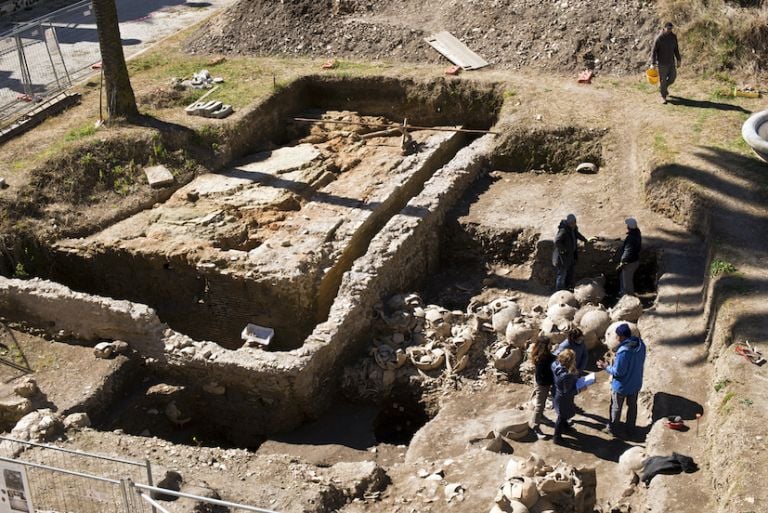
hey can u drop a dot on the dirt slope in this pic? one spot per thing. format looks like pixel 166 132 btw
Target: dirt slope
pixel 562 35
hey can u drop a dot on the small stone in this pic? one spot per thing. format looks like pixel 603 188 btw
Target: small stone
pixel 77 421
pixel 120 347
pixel 27 387
pixel 587 168
pixel 103 350
pixel 3 183
pixel 215 388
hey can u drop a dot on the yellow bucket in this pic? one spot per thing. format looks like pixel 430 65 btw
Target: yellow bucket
pixel 652 74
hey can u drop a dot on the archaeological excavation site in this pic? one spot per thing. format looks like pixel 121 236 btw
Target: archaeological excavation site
pixel 331 300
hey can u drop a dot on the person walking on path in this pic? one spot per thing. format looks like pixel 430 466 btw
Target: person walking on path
pixel 629 260
pixel 565 374
pixel 542 358
pixel 627 373
pixel 575 342
pixel 666 57
pixel 566 252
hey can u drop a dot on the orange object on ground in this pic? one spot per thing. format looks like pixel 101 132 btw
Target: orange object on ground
pixel 329 64
pixel 453 70
pixel 585 77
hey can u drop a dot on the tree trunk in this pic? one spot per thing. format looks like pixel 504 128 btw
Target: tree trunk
pixel 120 99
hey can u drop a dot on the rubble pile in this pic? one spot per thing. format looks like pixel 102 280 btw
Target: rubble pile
pixel 411 338
pixel 530 485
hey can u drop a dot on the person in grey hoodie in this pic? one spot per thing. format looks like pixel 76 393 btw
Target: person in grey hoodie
pixel 665 52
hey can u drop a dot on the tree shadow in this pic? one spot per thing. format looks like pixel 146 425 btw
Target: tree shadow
pixel 705 104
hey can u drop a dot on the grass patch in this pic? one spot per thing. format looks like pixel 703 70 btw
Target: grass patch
pixel 723 408
pixel 80 133
pixel 509 93
pixel 244 79
pixel 20 272
pixel 644 87
pixel 721 267
pixel 721 384
pixel 662 148
pixel 14 354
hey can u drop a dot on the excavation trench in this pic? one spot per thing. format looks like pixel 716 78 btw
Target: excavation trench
pixel 268 239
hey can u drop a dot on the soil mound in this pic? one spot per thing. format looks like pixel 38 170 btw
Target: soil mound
pixel 565 35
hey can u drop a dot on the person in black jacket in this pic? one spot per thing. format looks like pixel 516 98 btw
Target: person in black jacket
pixel 629 260
pixel 566 252
pixel 542 358
pixel 665 52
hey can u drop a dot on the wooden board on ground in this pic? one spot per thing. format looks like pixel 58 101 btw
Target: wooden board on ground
pixel 456 51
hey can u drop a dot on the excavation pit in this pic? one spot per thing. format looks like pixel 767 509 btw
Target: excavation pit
pixel 267 239
pixel 179 282
pixel 264 242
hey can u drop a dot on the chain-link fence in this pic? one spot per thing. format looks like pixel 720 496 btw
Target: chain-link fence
pixel 44 56
pixel 66 480
pixel 41 478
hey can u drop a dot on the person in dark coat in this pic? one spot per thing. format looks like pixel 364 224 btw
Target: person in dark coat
pixel 665 52
pixel 565 374
pixel 566 252
pixel 629 260
pixel 575 342
pixel 542 358
pixel 627 374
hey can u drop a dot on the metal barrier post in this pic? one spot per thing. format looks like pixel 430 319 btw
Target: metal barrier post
pixel 46 38
pixel 124 492
pixel 25 78
pixel 149 481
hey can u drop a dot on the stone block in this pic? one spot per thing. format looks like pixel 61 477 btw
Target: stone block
pixel 158 176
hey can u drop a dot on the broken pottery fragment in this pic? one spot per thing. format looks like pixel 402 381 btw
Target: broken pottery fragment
pixel 593 324
pixel 561 312
pixel 504 316
pixel 590 291
pixel 563 297
pixel 629 308
pixel 507 358
pixel 519 335
pixel 523 489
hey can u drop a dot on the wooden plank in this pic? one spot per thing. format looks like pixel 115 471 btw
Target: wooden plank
pixel 39 114
pixel 456 51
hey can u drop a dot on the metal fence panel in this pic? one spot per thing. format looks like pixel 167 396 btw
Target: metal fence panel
pixel 43 57
pixel 64 480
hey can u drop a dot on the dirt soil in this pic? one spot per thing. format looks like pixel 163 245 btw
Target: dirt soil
pixel 681 169
pixel 612 37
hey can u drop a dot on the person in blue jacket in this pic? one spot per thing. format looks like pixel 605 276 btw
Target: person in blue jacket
pixel 575 342
pixel 565 374
pixel 627 373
